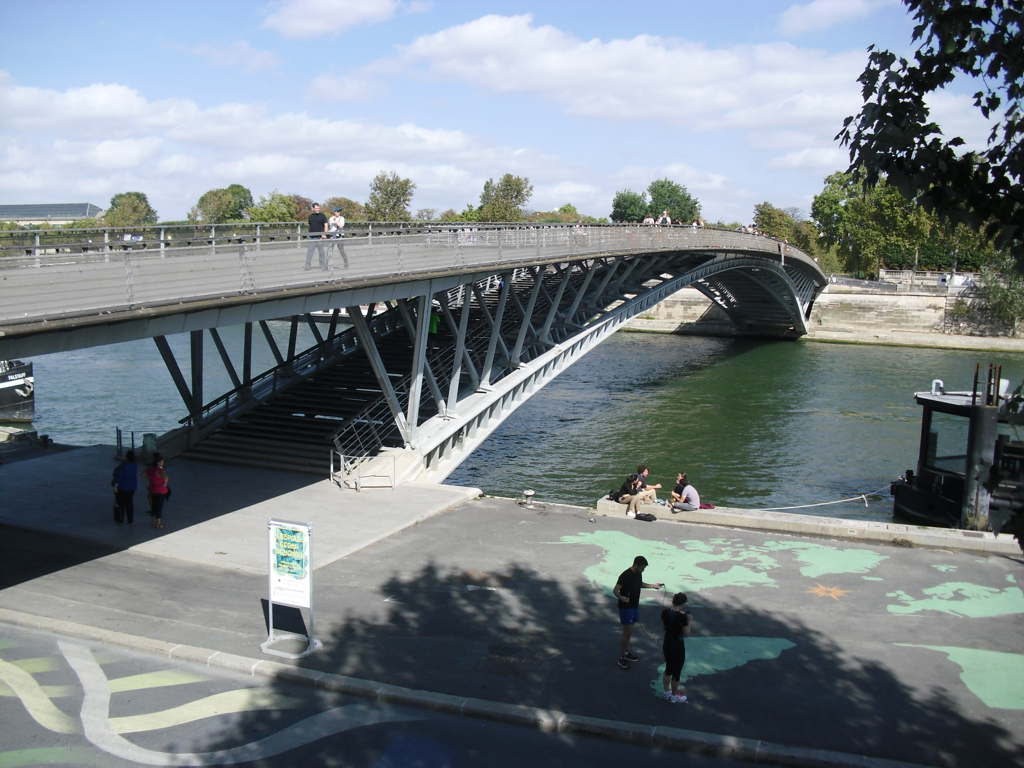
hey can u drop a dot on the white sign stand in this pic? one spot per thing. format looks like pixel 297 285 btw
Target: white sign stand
pixel 291 580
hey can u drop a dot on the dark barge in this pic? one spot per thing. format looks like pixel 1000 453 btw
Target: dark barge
pixel 17 386
pixel 971 460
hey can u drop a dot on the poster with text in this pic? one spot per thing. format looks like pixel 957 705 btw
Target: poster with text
pixel 290 575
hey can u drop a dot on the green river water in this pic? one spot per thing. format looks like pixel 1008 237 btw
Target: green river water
pixel 756 424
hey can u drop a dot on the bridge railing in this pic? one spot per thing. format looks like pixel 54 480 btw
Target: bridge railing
pixel 49 286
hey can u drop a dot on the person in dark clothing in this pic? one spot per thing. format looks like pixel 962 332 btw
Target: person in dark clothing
pixel 159 489
pixel 629 495
pixel 627 590
pixel 317 235
pixel 126 482
pixel 677 626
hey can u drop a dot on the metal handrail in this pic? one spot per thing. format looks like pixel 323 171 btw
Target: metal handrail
pixel 42 287
pixel 37 242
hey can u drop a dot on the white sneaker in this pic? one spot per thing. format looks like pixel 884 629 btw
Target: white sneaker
pixel 631 514
pixel 677 699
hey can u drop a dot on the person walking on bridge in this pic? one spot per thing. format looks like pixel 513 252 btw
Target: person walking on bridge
pixel 336 225
pixel 627 590
pixel 317 235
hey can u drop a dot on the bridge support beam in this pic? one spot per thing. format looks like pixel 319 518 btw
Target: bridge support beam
pixel 365 336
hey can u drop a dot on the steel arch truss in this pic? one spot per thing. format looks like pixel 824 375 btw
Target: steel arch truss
pixel 506 336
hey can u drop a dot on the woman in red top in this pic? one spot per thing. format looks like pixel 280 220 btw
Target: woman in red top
pixel 158 490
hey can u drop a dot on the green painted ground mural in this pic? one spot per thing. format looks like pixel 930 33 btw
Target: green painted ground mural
pixel 821 560
pixel 709 655
pixel 994 677
pixel 696 565
pixel 960 598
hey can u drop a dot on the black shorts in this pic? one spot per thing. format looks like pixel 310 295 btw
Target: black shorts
pixel 674 660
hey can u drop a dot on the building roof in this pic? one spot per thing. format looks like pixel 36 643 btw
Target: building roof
pixel 43 211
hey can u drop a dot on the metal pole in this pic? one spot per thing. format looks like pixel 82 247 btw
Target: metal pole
pixel 247 355
pixel 485 376
pixel 196 339
pixel 419 357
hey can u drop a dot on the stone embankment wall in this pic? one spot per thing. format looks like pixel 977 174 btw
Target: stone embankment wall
pixel 839 310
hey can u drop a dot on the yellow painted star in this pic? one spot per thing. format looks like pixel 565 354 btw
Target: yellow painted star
pixel 834 592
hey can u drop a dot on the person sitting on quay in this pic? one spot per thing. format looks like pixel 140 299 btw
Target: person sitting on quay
pixel 629 495
pixel 684 497
pixel 648 493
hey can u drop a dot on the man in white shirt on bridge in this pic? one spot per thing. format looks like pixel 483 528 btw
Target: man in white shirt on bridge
pixel 335 225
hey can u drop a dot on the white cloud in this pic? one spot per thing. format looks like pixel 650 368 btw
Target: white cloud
pixel 306 19
pixel 237 54
pixel 57 143
pixel 353 87
pixel 126 153
pixel 821 159
pixel 957 116
pixel 824 14
pixel 741 87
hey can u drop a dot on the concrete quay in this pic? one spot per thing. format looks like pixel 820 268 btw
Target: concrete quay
pixel 806 650
pixel 898 534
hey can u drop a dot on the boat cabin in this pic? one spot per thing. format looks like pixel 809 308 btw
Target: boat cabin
pixel 961 431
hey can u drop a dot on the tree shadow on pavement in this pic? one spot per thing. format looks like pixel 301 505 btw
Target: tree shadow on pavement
pixel 518 636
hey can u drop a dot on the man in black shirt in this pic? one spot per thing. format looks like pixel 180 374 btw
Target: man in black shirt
pixel 627 590
pixel 317 235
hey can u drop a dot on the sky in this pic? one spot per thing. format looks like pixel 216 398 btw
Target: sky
pixel 737 100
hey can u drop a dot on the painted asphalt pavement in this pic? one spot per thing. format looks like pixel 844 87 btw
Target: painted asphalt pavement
pixel 906 654
pixel 65 702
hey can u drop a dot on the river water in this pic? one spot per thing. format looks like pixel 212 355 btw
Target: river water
pixel 755 424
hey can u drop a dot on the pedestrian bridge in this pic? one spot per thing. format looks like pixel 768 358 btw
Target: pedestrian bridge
pixel 427 337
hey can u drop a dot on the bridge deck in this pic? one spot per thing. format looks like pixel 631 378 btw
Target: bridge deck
pixel 209 286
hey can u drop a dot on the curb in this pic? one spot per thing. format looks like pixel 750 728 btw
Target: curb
pixel 897 534
pixel 550 721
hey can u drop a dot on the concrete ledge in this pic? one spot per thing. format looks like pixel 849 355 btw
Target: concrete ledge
pixel 438 702
pixel 677 739
pixel 899 534
pixel 193 654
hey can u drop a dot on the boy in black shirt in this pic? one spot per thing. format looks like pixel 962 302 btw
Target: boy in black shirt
pixel 627 590
pixel 677 626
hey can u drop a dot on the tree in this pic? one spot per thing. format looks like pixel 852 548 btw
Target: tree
pixel 505 200
pixel 426 214
pixel 350 209
pixel 389 199
pixel 241 200
pixel 879 227
pixel 628 205
pixel 666 195
pixel 773 221
pixel 449 215
pixel 1001 292
pixel 276 206
pixel 220 205
pixel 893 136
pixel 129 209
pixel 303 207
